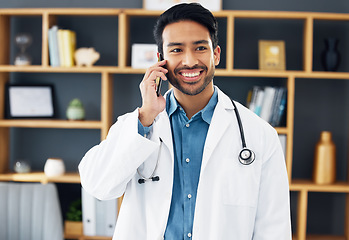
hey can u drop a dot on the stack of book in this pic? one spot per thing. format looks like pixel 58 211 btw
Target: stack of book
pixel 62 44
pixel 269 103
pixel 98 217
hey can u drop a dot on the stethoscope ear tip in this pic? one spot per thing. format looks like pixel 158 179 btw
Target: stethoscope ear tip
pixel 140 181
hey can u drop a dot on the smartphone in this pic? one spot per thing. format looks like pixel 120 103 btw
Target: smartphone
pixel 158 79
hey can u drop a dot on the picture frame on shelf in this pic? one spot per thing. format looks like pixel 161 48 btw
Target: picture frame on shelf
pixel 272 55
pixel 212 5
pixel 143 55
pixel 29 101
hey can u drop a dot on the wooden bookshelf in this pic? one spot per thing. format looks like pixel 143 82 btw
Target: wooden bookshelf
pixel 40 177
pixel 49 17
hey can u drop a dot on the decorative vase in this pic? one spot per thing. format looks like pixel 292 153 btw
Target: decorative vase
pixel 75 110
pixel 54 167
pixel 331 56
pixel 324 171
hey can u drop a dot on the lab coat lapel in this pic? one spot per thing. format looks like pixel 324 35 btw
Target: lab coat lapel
pixel 162 129
pixel 221 120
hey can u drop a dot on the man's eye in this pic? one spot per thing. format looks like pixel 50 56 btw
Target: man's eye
pixel 201 48
pixel 176 50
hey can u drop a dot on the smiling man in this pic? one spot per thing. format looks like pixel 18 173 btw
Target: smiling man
pixel 178 159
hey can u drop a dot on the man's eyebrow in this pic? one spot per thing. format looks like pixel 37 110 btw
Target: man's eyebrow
pixel 171 44
pixel 201 42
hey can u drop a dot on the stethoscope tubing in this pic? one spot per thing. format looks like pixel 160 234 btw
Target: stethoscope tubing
pixel 153 178
pixel 246 155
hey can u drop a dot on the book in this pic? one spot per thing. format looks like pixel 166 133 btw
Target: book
pixel 252 98
pixel 61 51
pixel 281 109
pixel 53 46
pixel 269 103
pixel 257 100
pixel 278 106
pixel 67 45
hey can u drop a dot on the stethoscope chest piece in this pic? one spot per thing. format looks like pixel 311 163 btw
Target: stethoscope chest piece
pixel 246 156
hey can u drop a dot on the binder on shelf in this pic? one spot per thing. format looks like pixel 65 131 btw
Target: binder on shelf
pixel 283 138
pixel 106 214
pixel 88 213
pixel 99 217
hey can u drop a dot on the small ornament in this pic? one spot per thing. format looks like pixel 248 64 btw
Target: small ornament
pixel 86 57
pixel 22 166
pixel 75 110
pixel 23 40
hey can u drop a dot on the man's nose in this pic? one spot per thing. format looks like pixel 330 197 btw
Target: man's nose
pixel 189 59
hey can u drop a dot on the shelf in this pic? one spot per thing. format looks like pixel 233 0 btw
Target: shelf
pixel 219 71
pixel 38 123
pixel 61 11
pixel 322 237
pixel 154 13
pixel 75 69
pixel 40 177
pixel 66 236
pixel 307 185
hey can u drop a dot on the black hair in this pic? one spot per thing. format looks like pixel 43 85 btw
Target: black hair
pixel 186 11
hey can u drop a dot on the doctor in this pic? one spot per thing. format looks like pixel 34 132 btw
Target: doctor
pixel 176 158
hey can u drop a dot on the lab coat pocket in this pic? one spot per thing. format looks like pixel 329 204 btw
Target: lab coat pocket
pixel 242 186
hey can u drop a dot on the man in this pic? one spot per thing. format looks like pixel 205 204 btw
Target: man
pixel 175 159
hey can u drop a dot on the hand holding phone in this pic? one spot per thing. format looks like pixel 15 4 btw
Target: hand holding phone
pixel 152 104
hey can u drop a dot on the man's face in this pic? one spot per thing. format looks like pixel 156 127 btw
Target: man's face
pixel 191 59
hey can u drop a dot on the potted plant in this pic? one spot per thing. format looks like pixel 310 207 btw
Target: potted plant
pixel 73 222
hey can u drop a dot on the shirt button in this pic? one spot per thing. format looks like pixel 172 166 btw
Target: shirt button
pixel 187 125
pixel 189 235
pixel 187 160
pixel 189 195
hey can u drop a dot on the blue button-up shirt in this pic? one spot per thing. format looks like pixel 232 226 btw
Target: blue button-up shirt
pixel 188 142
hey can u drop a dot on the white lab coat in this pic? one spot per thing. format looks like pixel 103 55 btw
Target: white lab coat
pixel 234 201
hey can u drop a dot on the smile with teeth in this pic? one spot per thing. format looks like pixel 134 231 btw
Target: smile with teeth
pixel 190 74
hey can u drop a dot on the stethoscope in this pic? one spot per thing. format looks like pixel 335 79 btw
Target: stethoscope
pixel 246 155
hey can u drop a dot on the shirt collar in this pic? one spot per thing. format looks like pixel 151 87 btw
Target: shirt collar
pixel 207 112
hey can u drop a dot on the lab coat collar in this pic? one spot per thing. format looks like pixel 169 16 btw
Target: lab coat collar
pixel 206 113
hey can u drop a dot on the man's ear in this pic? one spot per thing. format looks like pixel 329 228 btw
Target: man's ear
pixel 217 55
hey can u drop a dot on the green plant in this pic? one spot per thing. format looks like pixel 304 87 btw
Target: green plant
pixel 75 103
pixel 74 212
